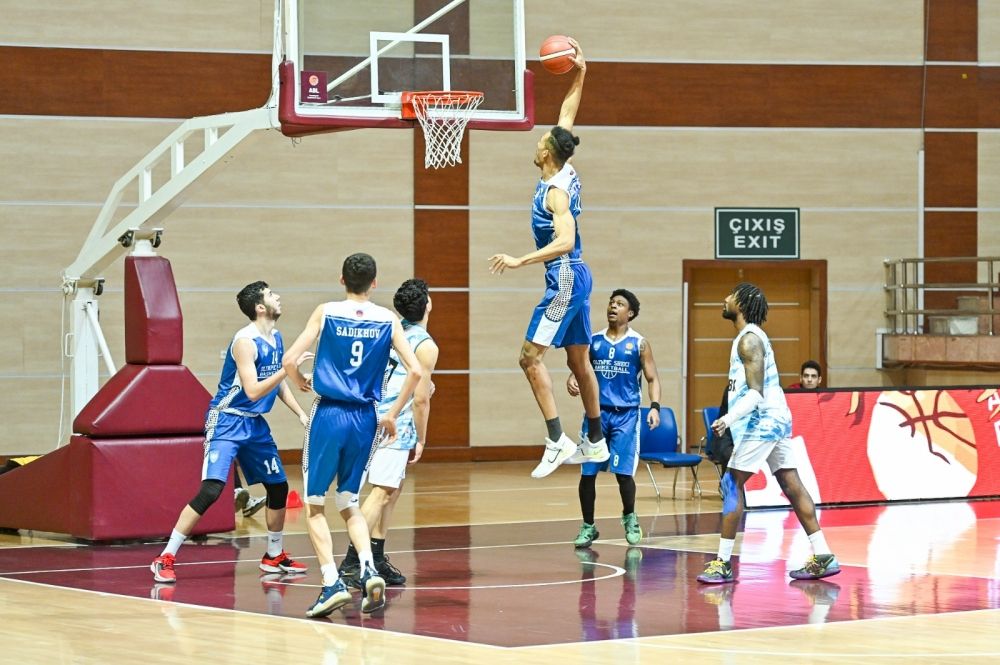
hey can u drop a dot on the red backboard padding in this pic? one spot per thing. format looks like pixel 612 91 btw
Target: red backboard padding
pixel 111 489
pixel 154 325
pixel 151 400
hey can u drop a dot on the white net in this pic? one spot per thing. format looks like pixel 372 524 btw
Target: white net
pixel 443 117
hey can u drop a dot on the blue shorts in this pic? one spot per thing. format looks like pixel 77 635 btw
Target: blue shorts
pixel 246 438
pixel 339 443
pixel 620 426
pixel 562 318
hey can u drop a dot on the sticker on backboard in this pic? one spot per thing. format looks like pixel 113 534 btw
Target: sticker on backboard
pixel 313 87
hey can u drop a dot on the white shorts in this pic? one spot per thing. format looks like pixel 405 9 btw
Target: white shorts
pixel 751 453
pixel 388 467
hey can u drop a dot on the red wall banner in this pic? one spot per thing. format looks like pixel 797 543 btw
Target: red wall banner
pixel 871 445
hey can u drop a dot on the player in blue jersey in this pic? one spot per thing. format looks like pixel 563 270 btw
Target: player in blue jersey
pixel 562 318
pixel 353 338
pixel 252 377
pixel 761 425
pixel 388 465
pixel 621 357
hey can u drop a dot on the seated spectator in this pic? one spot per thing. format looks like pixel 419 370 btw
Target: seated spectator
pixel 810 377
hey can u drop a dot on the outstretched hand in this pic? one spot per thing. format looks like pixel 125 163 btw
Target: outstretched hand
pixel 500 262
pixel 578 59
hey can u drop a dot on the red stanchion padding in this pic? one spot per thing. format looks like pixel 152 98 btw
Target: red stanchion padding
pixel 151 400
pixel 115 489
pixel 154 325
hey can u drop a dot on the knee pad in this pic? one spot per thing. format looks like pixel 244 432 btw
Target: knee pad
pixel 208 493
pixel 277 495
pixel 345 500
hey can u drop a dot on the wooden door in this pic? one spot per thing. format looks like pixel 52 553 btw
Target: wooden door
pixel 796 324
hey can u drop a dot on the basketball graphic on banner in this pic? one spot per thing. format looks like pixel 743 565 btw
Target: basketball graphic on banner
pixel 921 444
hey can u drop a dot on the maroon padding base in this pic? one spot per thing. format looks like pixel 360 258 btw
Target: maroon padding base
pixel 146 400
pixel 112 489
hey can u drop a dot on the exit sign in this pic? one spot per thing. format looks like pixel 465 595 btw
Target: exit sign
pixel 756 233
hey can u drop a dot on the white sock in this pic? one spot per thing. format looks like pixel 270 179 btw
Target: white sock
pixel 176 540
pixel 726 548
pixel 366 560
pixel 818 543
pixel 274 540
pixel 330 574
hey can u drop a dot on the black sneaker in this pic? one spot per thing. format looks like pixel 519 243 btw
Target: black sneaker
pixel 389 573
pixel 350 571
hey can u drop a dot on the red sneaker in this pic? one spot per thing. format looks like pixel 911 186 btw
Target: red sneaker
pixel 163 568
pixel 281 564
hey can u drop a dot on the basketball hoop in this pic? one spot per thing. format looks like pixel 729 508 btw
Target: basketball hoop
pixel 443 116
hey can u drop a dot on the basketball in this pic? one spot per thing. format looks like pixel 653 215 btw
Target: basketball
pixel 557 54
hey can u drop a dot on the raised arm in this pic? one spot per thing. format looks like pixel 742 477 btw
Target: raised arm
pixel 571 102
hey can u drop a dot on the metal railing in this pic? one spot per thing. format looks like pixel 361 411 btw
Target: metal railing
pixel 905 288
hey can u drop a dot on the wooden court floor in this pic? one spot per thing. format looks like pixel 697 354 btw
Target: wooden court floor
pixel 494 578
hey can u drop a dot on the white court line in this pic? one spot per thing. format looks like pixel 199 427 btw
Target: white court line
pixel 272 617
pixel 616 572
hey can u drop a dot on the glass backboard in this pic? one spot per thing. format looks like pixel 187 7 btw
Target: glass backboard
pixel 347 62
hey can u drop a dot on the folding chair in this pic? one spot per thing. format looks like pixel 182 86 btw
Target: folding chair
pixel 661 445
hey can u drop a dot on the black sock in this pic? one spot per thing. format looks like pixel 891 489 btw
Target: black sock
pixel 588 496
pixel 352 554
pixel 626 487
pixel 594 432
pixel 555 429
pixel 378 549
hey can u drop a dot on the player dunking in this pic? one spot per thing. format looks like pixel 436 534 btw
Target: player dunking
pixel 761 425
pixel 354 339
pixel 252 377
pixel 562 318
pixel 388 464
pixel 620 357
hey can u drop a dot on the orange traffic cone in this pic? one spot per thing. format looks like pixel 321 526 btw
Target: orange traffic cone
pixel 294 500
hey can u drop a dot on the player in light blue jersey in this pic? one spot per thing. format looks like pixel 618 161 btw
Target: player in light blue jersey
pixel 562 318
pixel 621 357
pixel 388 465
pixel 252 378
pixel 353 338
pixel 761 425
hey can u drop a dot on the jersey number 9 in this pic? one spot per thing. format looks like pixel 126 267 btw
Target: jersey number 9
pixel 357 349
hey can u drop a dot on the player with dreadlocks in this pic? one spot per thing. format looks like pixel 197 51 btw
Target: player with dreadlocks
pixel 761 425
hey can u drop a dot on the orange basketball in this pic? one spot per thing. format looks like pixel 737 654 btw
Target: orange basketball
pixel 557 54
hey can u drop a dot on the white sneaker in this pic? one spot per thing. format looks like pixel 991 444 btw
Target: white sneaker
pixel 596 453
pixel 240 496
pixel 556 452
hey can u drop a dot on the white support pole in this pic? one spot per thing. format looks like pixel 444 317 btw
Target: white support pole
pixel 81 346
pixel 920 239
pixel 102 344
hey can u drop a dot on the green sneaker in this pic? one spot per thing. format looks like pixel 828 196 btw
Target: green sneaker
pixel 588 534
pixel 817 567
pixel 633 532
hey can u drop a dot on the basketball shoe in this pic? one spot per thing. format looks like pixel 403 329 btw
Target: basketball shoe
pixel 163 569
pixel 588 534
pixel 556 452
pixel 633 532
pixel 372 590
pixel 240 497
pixel 717 571
pixel 389 573
pixel 281 564
pixel 590 451
pixel 330 598
pixel 817 567
pixel 254 505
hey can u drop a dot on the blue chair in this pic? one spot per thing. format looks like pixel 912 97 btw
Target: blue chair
pixel 660 445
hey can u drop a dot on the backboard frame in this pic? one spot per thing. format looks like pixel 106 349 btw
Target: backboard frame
pixel 299 119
